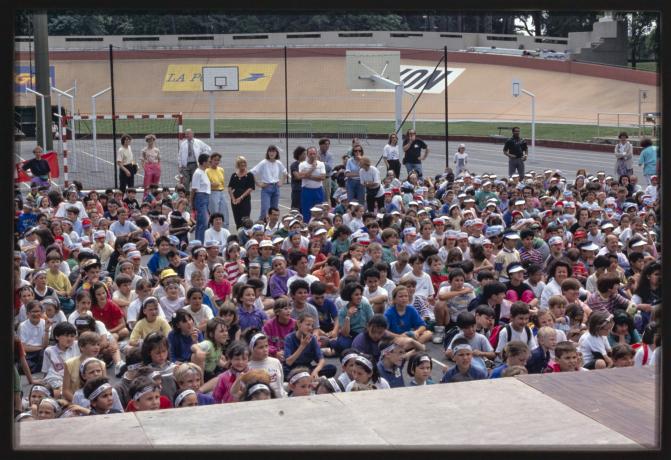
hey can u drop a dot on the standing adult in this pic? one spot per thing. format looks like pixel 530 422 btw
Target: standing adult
pixel 326 157
pixel 516 150
pixel 296 181
pixel 624 155
pixel 126 162
pixel 39 168
pixel 151 163
pixel 355 191
pixel 200 195
pixel 189 152
pixel 240 187
pixel 217 196
pixel 268 173
pixel 312 172
pixel 370 179
pixel 648 159
pixel 412 146
pixel 391 155
pixel 460 160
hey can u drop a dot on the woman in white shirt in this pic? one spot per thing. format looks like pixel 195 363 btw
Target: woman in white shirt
pixel 392 156
pixel 268 174
pixel 126 162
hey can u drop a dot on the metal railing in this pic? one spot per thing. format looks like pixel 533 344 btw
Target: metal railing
pixel 297 130
pixel 348 131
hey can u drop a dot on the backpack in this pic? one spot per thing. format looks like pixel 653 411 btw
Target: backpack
pixel 494 337
pixel 449 336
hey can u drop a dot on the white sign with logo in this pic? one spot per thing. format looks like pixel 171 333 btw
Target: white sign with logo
pixel 415 77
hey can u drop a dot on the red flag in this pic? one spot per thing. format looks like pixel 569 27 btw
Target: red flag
pixel 51 158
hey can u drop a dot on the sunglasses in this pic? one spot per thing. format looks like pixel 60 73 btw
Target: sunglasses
pixel 357 150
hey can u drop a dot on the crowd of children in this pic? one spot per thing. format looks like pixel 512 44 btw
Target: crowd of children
pixel 532 274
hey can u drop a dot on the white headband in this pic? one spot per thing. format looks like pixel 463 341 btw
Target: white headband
pixel 254 338
pixel 297 377
pixel 365 361
pixel 144 391
pixel 425 358
pixel 463 346
pixel 98 391
pixel 347 357
pixel 82 366
pixel 262 386
pixel 132 367
pixel 41 389
pixel 180 397
pixel 53 403
pixel 334 385
pixel 388 349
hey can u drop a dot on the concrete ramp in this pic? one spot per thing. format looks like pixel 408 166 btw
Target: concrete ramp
pixel 486 414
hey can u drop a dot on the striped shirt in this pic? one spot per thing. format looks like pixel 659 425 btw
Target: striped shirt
pixel 232 271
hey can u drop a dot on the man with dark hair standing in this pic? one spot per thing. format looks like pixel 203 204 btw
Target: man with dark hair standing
pixel 516 150
pixel 412 148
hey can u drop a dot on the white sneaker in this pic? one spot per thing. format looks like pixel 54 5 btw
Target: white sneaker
pixel 438 334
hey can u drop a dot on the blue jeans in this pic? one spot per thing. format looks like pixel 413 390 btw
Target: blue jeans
pixel 218 204
pixel 309 198
pixel 200 203
pixel 410 167
pixel 355 191
pixel 270 198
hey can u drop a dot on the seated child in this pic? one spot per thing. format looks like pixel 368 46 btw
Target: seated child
pixel 540 357
pixel 594 345
pixel 390 364
pixel 419 368
pixel 464 370
pixel 623 355
pixel 481 348
pixel 566 357
pixel 515 353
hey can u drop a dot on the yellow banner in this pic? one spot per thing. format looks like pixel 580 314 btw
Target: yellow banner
pixel 188 77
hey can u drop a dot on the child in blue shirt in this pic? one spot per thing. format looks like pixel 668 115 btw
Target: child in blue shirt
pixel 328 312
pixel 515 353
pixel 390 364
pixel 464 371
pixel 404 318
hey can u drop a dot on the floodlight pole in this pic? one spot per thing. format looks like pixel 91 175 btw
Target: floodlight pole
pixel 60 93
pixel 533 120
pixel 517 89
pixel 44 116
pixel 93 120
pixel 212 97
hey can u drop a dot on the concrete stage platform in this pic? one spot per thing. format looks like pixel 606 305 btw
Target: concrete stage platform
pixel 612 409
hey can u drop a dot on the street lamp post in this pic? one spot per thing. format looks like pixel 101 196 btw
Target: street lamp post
pixel 517 89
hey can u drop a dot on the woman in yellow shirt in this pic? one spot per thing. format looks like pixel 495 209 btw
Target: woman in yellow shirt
pixel 217 194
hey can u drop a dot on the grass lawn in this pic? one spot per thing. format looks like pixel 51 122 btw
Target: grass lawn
pixel 547 131
pixel 649 66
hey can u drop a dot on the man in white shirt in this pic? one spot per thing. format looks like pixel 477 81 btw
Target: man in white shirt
pixel 312 173
pixel 327 158
pixel 190 150
pixel 200 195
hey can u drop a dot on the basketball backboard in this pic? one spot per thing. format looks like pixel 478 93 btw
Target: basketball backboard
pixel 360 65
pixel 220 78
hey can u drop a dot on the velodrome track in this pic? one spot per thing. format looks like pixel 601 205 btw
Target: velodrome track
pixel 167 81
